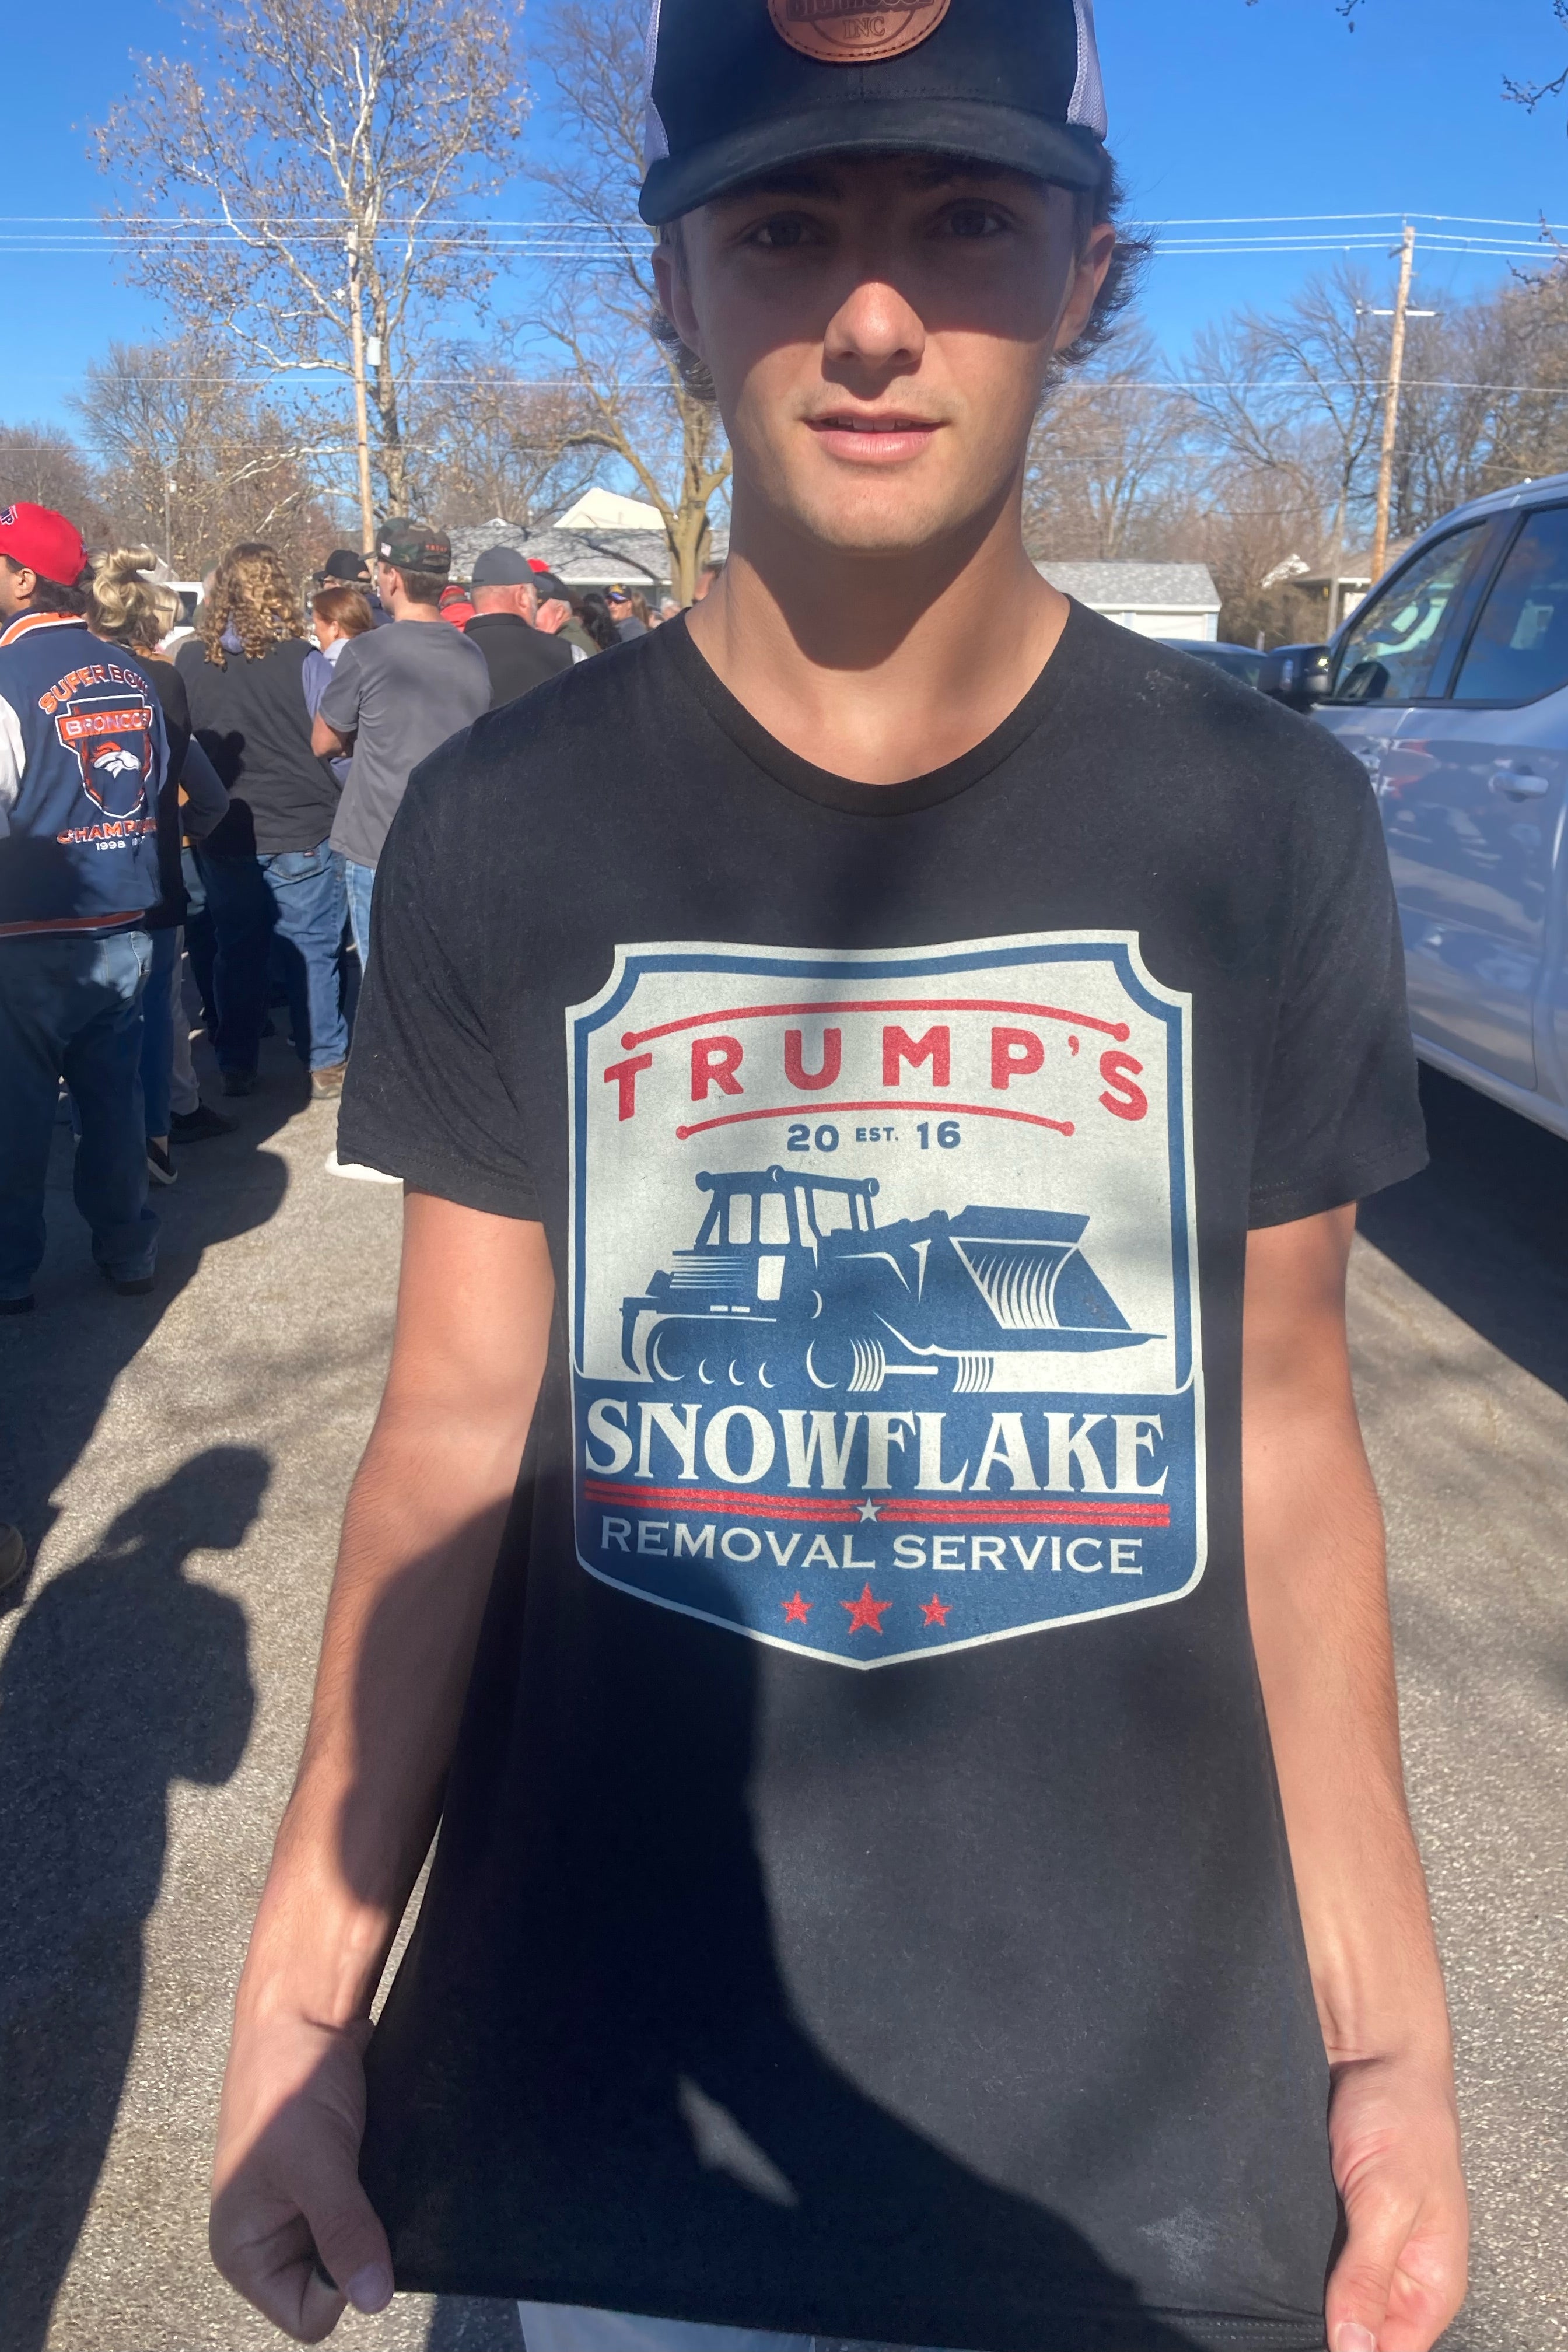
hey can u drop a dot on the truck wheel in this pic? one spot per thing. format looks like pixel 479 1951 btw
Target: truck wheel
pixel 670 1352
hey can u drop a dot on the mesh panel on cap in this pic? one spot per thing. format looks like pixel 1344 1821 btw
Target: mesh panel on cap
pixel 655 139
pixel 1088 102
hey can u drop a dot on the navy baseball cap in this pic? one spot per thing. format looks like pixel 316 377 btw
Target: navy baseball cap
pixel 735 88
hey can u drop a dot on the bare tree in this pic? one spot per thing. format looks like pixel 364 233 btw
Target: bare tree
pixel 192 460
pixel 42 463
pixel 643 404
pixel 494 442
pixel 1109 457
pixel 308 174
pixel 1300 392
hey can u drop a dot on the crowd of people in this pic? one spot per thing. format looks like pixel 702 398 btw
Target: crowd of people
pixel 214 801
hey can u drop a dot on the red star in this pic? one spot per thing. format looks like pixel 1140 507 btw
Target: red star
pixel 866 1611
pixel 797 1611
pixel 935 1610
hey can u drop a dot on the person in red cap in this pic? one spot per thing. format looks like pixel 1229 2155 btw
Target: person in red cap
pixel 82 760
pixel 866 1550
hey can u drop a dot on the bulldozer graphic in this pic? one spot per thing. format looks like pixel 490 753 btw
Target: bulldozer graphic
pixel 790 1271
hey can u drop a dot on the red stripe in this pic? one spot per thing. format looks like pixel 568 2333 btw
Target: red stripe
pixel 634 1037
pixel 1043 1515
pixel 815 1110
pixel 845 1511
pixel 750 1506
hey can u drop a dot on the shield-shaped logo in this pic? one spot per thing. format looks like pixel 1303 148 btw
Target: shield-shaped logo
pixel 110 731
pixel 884 1294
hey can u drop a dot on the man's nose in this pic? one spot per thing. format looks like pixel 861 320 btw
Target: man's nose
pixel 876 325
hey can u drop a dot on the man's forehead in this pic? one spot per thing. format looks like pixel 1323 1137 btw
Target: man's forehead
pixel 837 176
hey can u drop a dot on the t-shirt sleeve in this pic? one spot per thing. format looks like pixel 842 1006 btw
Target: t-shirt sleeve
pixel 339 706
pixel 1340 1116
pixel 424 1098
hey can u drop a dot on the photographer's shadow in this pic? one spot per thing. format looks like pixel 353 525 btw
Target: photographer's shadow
pixel 124 1676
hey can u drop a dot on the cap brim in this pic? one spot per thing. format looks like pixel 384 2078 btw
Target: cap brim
pixel 1014 141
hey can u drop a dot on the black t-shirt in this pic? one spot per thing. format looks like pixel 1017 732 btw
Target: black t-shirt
pixel 251 720
pixel 862 1905
pixel 518 656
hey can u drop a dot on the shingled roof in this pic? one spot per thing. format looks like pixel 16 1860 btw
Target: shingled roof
pixel 583 559
pixel 1135 587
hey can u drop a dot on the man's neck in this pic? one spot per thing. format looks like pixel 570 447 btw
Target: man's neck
pixel 878 668
pixel 402 610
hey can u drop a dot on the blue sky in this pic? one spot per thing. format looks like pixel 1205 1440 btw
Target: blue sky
pixel 1217 108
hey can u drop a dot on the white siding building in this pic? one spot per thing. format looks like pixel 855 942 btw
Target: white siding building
pixel 1157 600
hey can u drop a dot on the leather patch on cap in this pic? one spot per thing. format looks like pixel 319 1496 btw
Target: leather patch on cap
pixel 852 32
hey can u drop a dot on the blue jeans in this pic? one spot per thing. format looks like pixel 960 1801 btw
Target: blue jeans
pixel 284 912
pixel 359 881
pixel 158 1032
pixel 71 1007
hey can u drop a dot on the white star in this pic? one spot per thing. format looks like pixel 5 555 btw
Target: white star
pixel 868 1510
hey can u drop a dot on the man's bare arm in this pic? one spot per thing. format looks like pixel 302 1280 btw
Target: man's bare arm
pixel 1318 1600
pixel 325 741
pixel 419 1541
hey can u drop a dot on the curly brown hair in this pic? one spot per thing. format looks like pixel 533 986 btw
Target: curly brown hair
pixel 253 595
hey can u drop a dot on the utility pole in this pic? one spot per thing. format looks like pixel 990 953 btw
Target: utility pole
pixel 362 412
pixel 1391 403
pixel 169 489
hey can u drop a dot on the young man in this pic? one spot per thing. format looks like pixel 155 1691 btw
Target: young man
pixel 902 1878
pixel 394 694
pixel 518 654
pixel 82 760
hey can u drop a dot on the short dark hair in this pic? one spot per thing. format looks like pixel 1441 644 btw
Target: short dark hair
pixel 1093 208
pixel 421 587
pixel 50 595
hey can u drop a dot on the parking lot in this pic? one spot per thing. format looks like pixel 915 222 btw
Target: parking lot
pixel 196 1446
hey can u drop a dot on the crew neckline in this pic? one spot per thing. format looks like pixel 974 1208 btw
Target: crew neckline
pixel 846 793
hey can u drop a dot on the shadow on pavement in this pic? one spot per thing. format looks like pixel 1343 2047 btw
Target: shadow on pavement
pixel 124 1676
pixel 58 1365
pixel 463 2323
pixel 1485 1228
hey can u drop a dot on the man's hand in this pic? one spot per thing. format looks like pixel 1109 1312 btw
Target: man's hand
pixel 1319 1608
pixel 286 2192
pixel 1395 2140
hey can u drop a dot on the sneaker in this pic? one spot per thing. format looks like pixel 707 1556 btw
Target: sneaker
pixel 129 1285
pixel 327 1084
pixel 13 1554
pixel 239 1082
pixel 23 1306
pixel 197 1126
pixel 336 1167
pixel 159 1166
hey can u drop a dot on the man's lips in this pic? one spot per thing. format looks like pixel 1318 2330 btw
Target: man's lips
pixel 848 434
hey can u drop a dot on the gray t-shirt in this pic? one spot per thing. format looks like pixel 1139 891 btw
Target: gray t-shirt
pixel 399 691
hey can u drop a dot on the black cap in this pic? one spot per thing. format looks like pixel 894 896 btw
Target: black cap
pixel 413 546
pixel 345 564
pixel 736 87
pixel 501 567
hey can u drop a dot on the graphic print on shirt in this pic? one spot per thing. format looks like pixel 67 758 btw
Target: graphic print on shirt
pixel 104 718
pixel 884 1294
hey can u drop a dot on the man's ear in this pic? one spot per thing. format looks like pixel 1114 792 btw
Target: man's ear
pixel 1083 289
pixel 675 297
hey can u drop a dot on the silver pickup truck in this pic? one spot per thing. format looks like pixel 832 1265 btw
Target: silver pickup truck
pixel 1450 685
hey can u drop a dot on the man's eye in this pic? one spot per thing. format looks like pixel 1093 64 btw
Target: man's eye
pixel 973 220
pixel 783 234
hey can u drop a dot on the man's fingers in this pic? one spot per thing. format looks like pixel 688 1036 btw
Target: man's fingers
pixel 350 2246
pixel 1357 2305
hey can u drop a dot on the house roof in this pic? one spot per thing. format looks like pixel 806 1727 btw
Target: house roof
pixel 1140 587
pixel 583 559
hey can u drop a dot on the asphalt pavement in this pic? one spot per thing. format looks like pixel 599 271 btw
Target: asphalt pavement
pixel 180 1463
